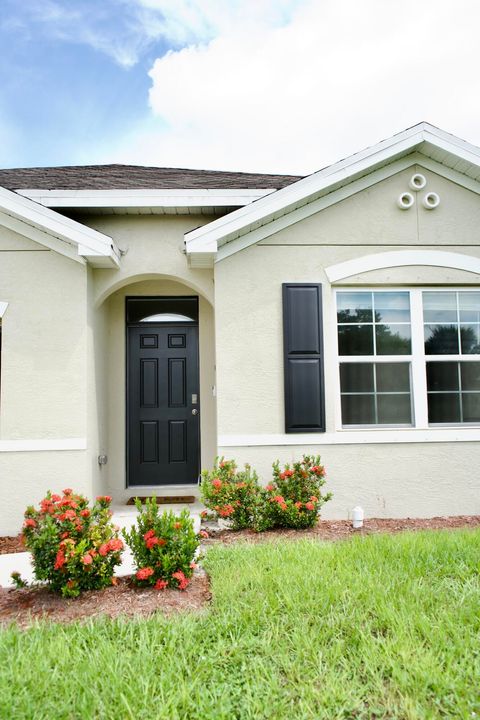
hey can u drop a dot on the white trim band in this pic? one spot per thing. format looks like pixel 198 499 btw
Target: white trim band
pixel 403 258
pixel 43 445
pixel 354 437
pixel 3 307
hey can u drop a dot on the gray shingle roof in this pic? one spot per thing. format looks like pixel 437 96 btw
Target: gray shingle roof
pixel 125 177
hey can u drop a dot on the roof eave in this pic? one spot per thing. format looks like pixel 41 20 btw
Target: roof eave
pixel 56 231
pixel 241 221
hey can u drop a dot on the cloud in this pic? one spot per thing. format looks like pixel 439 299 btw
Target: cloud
pixel 290 87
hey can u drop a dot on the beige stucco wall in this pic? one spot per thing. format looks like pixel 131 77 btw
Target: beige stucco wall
pixel 43 372
pixel 389 480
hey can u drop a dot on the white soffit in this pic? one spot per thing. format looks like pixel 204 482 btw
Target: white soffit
pixel 55 231
pixel 440 149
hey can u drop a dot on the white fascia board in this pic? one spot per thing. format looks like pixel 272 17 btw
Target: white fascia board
pixel 48 222
pixel 145 198
pixel 289 198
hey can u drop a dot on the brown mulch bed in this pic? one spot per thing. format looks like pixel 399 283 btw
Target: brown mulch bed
pixel 342 529
pixel 23 607
pixel 11 544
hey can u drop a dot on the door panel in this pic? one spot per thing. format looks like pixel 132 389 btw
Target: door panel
pixel 162 432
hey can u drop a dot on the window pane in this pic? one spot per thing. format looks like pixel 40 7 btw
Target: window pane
pixel 358 410
pixel 444 407
pixel 440 307
pixel 441 340
pixel 355 339
pixel 162 309
pixel 392 306
pixel 393 377
pixel 469 338
pixel 394 409
pixel 469 306
pixel 354 307
pixel 393 339
pixel 470 375
pixel 471 407
pixel 442 376
pixel 356 377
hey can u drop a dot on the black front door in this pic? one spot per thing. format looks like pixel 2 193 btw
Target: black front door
pixel 163 419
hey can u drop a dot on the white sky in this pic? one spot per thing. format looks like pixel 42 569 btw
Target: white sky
pixel 289 87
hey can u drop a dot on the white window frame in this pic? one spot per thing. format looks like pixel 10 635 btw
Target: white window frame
pixel 417 360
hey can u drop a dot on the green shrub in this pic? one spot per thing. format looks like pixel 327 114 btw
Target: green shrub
pixel 163 546
pixel 233 495
pixel 74 547
pixel 294 498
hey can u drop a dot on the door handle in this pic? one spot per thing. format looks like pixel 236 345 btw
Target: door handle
pixel 194 411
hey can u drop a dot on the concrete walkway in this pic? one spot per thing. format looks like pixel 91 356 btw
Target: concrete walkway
pixel 123 516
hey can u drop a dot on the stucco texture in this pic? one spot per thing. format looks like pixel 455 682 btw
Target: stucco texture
pixel 418 479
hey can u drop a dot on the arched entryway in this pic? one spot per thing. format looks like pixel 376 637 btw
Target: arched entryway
pixel 159 387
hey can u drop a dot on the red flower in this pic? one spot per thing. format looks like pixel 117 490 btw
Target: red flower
pixel 314 499
pixel 204 534
pixel 160 585
pixel 241 485
pixel 226 510
pixel 115 544
pixel 283 506
pixel 222 464
pixel 279 499
pixel 55 498
pixel 85 513
pixel 270 488
pixel 68 491
pixel 217 483
pixel 103 549
pixel 144 573
pixel 64 535
pixel 310 506
pixel 59 560
pixel 298 505
pixel 177 525
pixel 104 498
pixel 288 473
pixel 318 469
pixel 69 515
pixel 204 514
pixel 29 522
pixel 182 580
pixel 151 542
pixel 87 559
pixel 149 534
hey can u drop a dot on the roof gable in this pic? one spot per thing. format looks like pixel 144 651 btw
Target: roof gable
pixel 55 231
pixel 421 143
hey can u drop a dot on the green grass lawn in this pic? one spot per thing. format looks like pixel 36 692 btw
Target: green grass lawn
pixel 376 627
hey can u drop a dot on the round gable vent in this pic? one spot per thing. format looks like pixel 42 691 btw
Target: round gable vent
pixel 405 201
pixel 417 182
pixel 431 200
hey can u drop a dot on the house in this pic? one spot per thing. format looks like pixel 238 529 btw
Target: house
pixel 154 318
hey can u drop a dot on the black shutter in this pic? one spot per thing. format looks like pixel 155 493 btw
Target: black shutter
pixel 303 357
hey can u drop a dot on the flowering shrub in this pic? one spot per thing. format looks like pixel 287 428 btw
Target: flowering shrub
pixel 74 547
pixel 163 547
pixel 232 495
pixel 294 497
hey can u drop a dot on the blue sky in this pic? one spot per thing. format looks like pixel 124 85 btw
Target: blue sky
pixel 260 85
